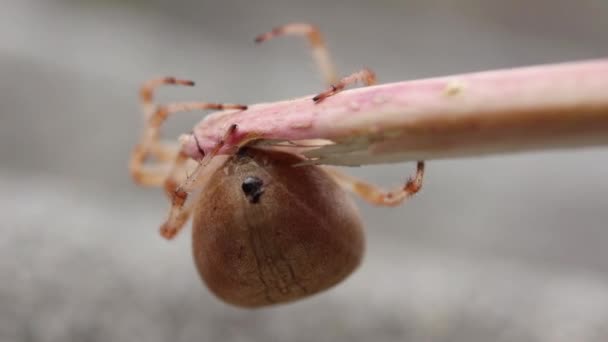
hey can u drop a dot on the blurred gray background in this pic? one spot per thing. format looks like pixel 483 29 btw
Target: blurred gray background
pixel 496 249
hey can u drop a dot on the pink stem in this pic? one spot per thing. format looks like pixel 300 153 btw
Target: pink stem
pixel 515 110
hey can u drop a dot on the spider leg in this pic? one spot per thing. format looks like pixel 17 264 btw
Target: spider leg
pixel 176 196
pixel 321 55
pixel 171 163
pixel 369 192
pixel 180 210
pixel 317 44
pixel 365 76
pixel 149 144
pixel 375 195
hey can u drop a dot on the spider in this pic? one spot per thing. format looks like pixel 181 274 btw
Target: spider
pixel 177 169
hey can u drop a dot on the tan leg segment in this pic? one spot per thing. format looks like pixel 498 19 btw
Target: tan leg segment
pixel 170 162
pixel 176 196
pixel 365 76
pixel 319 50
pixel 180 211
pixel 178 214
pixel 149 145
pixel 375 195
pixel 368 191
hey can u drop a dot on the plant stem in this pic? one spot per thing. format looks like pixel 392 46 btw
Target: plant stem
pixel 516 110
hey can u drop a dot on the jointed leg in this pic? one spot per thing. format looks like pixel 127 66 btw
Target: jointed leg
pixel 365 76
pixel 178 214
pixel 319 50
pixel 180 210
pixel 178 197
pixel 146 92
pixel 375 195
pixel 321 56
pixel 170 163
pixel 149 145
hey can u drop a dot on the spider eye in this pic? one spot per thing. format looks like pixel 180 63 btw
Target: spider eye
pixel 253 188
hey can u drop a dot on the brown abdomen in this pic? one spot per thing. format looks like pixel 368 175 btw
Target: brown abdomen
pixel 298 235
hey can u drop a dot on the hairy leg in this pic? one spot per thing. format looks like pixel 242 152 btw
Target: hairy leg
pixel 375 195
pixel 180 210
pixel 317 44
pixel 365 76
pixel 171 164
pixel 149 144
pixel 367 191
